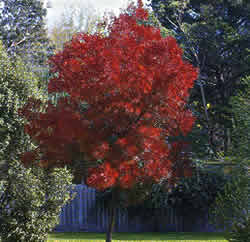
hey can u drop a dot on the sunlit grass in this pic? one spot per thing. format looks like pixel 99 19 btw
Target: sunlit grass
pixel 139 237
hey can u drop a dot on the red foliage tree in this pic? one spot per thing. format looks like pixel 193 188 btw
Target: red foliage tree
pixel 127 93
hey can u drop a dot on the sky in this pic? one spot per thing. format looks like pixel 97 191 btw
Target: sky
pixel 101 5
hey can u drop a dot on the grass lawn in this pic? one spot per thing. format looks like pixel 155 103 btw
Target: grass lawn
pixel 134 237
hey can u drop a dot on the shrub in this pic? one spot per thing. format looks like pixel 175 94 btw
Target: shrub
pixel 193 195
pixel 31 201
pixel 241 231
pixel 230 210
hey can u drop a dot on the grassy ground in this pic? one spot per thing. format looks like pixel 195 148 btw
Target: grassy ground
pixel 136 237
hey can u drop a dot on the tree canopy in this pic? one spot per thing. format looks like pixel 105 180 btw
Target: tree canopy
pixel 119 108
pixel 23 31
pixel 17 84
pixel 30 199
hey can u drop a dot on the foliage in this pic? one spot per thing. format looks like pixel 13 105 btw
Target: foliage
pixel 23 32
pixel 30 199
pixel 16 86
pixel 31 202
pixel 232 205
pixel 209 31
pixel 241 231
pixel 195 195
pixel 191 197
pixel 241 110
pixel 119 108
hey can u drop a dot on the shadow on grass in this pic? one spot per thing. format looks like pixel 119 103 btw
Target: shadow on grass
pixel 139 236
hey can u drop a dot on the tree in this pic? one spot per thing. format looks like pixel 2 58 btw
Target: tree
pixel 230 210
pixel 16 86
pixel 241 132
pixel 23 31
pixel 209 31
pixel 30 199
pixel 123 102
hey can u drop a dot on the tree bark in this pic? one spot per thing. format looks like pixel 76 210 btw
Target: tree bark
pixel 111 220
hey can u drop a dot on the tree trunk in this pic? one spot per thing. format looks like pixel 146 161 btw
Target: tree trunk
pixel 111 221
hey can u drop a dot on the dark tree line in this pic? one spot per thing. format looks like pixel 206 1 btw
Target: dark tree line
pixel 215 36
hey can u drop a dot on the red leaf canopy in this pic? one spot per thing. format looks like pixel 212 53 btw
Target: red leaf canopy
pixel 134 85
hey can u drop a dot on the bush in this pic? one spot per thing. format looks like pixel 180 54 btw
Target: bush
pixel 241 231
pixel 192 196
pixel 31 201
pixel 231 207
pixel 195 195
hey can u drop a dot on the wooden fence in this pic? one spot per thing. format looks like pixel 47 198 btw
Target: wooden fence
pixel 83 214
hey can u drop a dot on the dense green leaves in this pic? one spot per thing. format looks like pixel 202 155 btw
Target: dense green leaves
pixel 16 85
pixel 241 132
pixel 31 202
pixel 30 199
pixel 23 31
pixel 193 195
pixel 231 206
pixel 241 231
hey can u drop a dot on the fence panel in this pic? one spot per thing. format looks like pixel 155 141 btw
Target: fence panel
pixel 84 215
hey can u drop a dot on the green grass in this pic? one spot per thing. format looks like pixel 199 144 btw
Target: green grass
pixel 136 237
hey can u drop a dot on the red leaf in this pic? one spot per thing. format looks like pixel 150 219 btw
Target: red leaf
pixel 126 91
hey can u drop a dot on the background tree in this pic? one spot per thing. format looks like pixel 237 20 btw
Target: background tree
pixel 119 109
pixel 30 199
pixel 215 37
pixel 23 32
pixel 241 132
pixel 230 210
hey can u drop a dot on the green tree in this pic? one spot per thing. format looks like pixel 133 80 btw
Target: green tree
pixel 241 132
pixel 23 31
pixel 16 85
pixel 30 199
pixel 215 36
pixel 230 210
